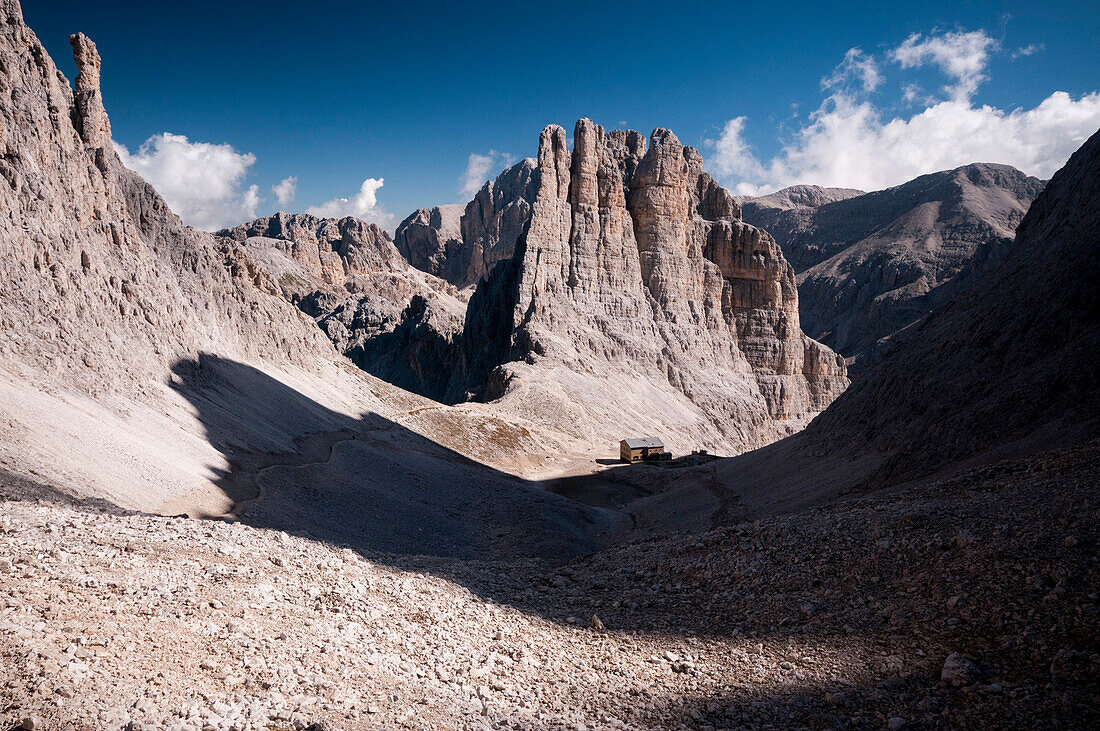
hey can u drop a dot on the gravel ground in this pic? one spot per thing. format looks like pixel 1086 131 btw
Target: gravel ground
pixel 967 603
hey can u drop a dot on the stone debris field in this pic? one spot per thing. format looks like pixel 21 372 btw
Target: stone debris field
pixel 926 608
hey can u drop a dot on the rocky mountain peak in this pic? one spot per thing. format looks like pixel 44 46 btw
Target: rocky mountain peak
pixel 800 196
pixel 989 174
pixel 635 265
pixel 88 62
pixel 105 288
pixel 553 163
pixel 332 249
pixel 667 162
pixel 461 244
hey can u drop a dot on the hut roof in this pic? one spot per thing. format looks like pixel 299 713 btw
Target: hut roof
pixel 642 442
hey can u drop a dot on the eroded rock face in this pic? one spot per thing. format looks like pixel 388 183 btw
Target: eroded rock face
pixel 390 319
pixel 332 251
pixel 871 265
pixel 105 288
pixel 637 278
pixel 95 127
pixel 462 245
pixel 431 240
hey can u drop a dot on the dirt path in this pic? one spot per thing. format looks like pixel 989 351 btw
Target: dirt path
pixel 248 468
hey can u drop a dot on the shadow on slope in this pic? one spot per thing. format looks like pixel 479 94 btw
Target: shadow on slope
pixel 399 498
pixel 855 598
pixel 370 483
pixel 16 488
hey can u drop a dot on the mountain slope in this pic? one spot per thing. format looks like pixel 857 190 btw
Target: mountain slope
pixel 1010 367
pixel 154 366
pixel 852 609
pixel 1016 354
pixel 789 212
pixel 872 265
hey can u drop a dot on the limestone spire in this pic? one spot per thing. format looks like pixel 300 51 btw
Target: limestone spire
pixel 91 117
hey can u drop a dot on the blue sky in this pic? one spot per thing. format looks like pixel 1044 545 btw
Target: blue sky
pixel 335 93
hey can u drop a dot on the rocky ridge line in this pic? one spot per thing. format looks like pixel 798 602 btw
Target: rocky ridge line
pixel 105 286
pixel 871 265
pixel 463 244
pixel 393 321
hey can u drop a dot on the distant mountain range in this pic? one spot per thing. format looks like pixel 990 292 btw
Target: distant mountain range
pixel 868 265
pixel 871 265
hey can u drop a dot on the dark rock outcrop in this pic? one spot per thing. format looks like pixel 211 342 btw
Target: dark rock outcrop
pixel 1009 368
pixel 393 321
pixel 1016 354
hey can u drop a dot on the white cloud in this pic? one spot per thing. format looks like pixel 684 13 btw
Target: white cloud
pixel 1028 50
pixel 285 190
pixel 363 204
pixel 733 157
pixel 478 168
pixel 200 181
pixel 962 56
pixel 850 142
pixel 856 65
pixel 913 94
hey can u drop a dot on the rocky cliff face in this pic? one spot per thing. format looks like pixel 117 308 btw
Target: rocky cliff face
pixel 104 286
pixel 333 252
pixel 623 294
pixel 633 300
pixel 431 240
pixel 140 360
pixel 390 319
pixel 462 245
pixel 638 290
pixel 869 266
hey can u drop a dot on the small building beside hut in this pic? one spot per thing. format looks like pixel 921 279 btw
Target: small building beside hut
pixel 643 449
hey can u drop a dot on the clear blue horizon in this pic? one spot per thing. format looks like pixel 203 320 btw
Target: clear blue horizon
pixel 407 92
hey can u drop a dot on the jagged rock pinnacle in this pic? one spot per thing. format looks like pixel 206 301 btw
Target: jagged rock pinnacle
pixel 91 117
